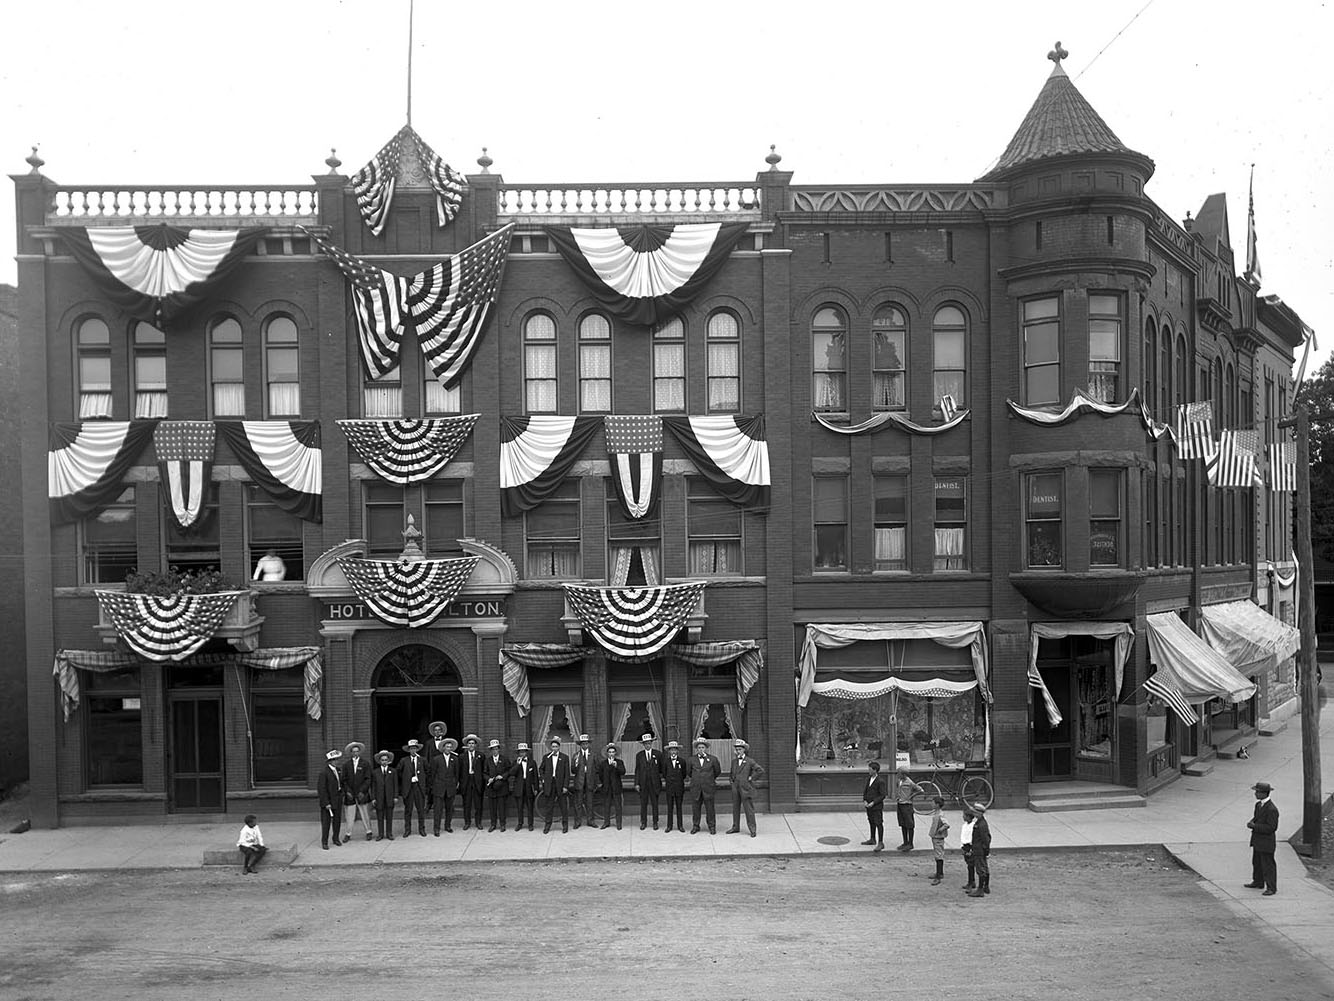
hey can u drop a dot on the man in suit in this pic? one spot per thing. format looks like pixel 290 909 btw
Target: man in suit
pixel 873 798
pixel 473 780
pixel 674 784
pixel 442 779
pixel 555 787
pixel 329 788
pixel 496 772
pixel 744 773
pixel 582 781
pixel 412 787
pixel 356 789
pixel 384 793
pixel 981 851
pixel 435 746
pixel 648 780
pixel 1264 867
pixel 703 775
pixel 610 771
pixel 523 782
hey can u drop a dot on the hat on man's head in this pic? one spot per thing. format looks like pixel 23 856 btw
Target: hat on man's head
pixel 701 741
pixel 1263 787
pixel 386 757
pixel 494 743
pixel 355 745
pixel 583 738
pixel 646 738
pixel 739 743
pixel 451 743
pixel 413 745
pixel 437 729
pixel 554 740
pixel 673 743
pixel 978 808
pixel 333 755
pixel 612 747
pixel 473 737
pixel 522 747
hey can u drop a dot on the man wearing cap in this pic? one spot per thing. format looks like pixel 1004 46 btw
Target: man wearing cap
pixel 610 771
pixel 523 785
pixel 981 851
pixel 1264 867
pixel 648 779
pixel 412 787
pixel 674 784
pixel 473 780
pixel 496 771
pixel 329 788
pixel 704 769
pixel 582 781
pixel 555 787
pixel 384 793
pixel 356 789
pixel 744 773
pixel 442 779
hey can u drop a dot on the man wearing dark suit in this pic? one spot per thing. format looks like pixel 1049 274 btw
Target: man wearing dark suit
pixel 384 793
pixel 648 780
pixel 523 782
pixel 412 787
pixel 356 789
pixel 435 746
pixel 873 797
pixel 1264 867
pixel 981 851
pixel 555 787
pixel 473 780
pixel 703 775
pixel 442 779
pixel 329 788
pixel 582 781
pixel 744 773
pixel 610 771
pixel 674 784
pixel 496 771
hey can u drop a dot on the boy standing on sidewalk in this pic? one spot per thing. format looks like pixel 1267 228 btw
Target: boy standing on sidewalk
pixel 251 843
pixel 936 831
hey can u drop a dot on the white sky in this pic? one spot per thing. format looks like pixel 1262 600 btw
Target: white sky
pixel 256 91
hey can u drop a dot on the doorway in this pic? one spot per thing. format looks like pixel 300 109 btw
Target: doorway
pixel 1053 746
pixel 415 685
pixel 1078 671
pixel 195 765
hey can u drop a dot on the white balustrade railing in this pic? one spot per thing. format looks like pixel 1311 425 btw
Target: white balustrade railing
pixel 97 203
pixel 702 198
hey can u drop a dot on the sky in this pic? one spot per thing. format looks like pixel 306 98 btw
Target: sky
pixel 880 91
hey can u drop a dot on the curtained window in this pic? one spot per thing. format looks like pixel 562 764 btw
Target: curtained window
pixel 1042 350
pixel 630 721
pixel 830 512
pixel 949 335
pixel 713 528
pixel 552 531
pixel 951 523
pixel 889 332
pixel 150 371
pixel 109 542
pixel 270 529
pixel 113 736
pixel 227 368
pixel 594 364
pixel 437 400
pixel 669 367
pixel 829 338
pixel 383 397
pixel 282 368
pixel 278 719
pixel 94 368
pixel 1104 346
pixel 724 361
pixel 633 545
pixel 539 364
pixel 891 523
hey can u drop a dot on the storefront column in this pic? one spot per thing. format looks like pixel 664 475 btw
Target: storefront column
pixel 676 709
pixel 1010 726
pixel 337 715
pixel 484 705
pixel 595 701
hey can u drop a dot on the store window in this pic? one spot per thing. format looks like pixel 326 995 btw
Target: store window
pixel 539 364
pixel 830 511
pixel 889 358
pixel 1042 350
pixel 594 364
pixel 94 362
pixel 282 367
pixel 195 549
pixel 150 371
pixel 383 397
pixel 1042 513
pixel 278 717
pixel 829 339
pixel 1105 521
pixel 713 529
pixel 1104 346
pixel 717 721
pixel 226 360
pixel 634 554
pixel 442 526
pixel 113 738
pixel 949 332
pixel 108 542
pixel 383 519
pixel 552 531
pixel 273 539
pixel 724 362
pixel 891 522
pixel 951 524
pixel 669 367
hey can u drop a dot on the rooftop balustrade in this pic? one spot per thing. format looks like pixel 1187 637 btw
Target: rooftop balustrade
pixel 90 204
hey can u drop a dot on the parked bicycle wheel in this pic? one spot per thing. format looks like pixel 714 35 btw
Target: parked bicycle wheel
pixel 976 789
pixel 923 802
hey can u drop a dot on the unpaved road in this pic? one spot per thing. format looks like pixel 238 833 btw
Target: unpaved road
pixel 1064 926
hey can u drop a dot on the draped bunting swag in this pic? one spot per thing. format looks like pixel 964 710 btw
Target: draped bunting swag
pixel 409 594
pixel 158 273
pixel 635 447
pixel 87 463
pixel 633 623
pixel 374 184
pixel 184 460
pixel 1080 403
pixel 951 419
pixel 647 274
pixel 166 627
pixel 536 454
pixel 730 452
pixel 748 655
pixel 408 450
pixel 284 460
pixel 516 659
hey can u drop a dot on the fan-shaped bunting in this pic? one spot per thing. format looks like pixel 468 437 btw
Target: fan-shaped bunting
pixel 409 594
pixel 633 622
pixel 166 627
pixel 408 450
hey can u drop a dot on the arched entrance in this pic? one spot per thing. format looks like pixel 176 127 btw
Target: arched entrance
pixel 414 685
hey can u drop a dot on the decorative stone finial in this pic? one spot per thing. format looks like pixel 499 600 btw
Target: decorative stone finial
pixel 332 161
pixel 773 159
pixel 412 552
pixel 1188 223
pixel 1057 54
pixel 485 162
pixel 34 161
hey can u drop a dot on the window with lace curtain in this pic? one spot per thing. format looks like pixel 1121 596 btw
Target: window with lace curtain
pixel 829 337
pixel 951 523
pixel 94 364
pixel 150 371
pixel 889 358
pixel 108 542
pixel 669 366
pixel 1104 346
pixel 830 511
pixel 633 546
pixel 949 335
pixel 724 362
pixel 552 534
pixel 713 531
pixel 594 364
pixel 282 368
pixel 383 397
pixel 226 365
pixel 438 401
pixel 891 522
pixel 539 364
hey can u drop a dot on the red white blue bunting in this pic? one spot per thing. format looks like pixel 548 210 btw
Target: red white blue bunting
pixel 284 460
pixel 1195 430
pixel 1282 466
pixel 632 623
pixel 374 184
pixel 407 594
pixel 536 454
pixel 1232 461
pixel 951 417
pixel 185 461
pixel 730 452
pixel 408 450
pixel 635 446
pixel 87 463
pixel 1080 404
pixel 166 627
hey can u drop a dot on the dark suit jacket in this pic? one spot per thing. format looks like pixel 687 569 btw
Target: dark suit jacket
pixel 519 786
pixel 357 780
pixel 981 837
pixel 1263 827
pixel 674 775
pixel 442 776
pixel 609 775
pixel 704 777
pixel 384 787
pixel 744 775
pixel 330 788
pixel 406 768
pixel 555 778
pixel 581 771
pixel 478 778
pixel 874 793
pixel 496 774
pixel 648 771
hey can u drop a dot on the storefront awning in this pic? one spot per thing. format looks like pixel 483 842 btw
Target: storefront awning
pixel 1190 665
pixel 933 688
pixel 1247 636
pixel 1121 632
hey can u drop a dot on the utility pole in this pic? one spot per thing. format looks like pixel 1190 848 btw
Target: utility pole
pixel 1308 688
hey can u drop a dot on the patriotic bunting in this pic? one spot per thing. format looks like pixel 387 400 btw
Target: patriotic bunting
pixel 748 656
pixel 284 459
pixel 730 452
pixel 408 594
pixel 1195 430
pixel 157 273
pixel 379 301
pixel 408 450
pixel 166 627
pixel 646 274
pixel 1154 429
pixel 1232 462
pixel 87 463
pixel 1161 687
pixel 635 447
pixel 1283 466
pixel 950 413
pixel 1035 681
pixel 536 454
pixel 185 461
pixel 1080 403
pixel 374 184
pixel 633 623
pixel 517 658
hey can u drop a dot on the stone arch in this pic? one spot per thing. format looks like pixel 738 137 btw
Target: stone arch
pixel 373 646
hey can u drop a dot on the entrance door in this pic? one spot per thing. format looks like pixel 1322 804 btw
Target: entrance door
pixel 1053 746
pixel 195 766
pixel 415 685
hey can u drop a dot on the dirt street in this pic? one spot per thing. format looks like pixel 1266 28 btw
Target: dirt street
pixel 1073 926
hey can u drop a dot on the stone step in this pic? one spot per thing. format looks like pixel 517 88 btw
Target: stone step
pixel 1273 729
pixel 1122 802
pixel 232 856
pixel 1197 768
pixel 1039 794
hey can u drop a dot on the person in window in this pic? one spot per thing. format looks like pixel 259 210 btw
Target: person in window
pixel 745 772
pixel 412 787
pixel 674 784
pixel 495 771
pixel 610 772
pixel 523 785
pixel 648 780
pixel 582 781
pixel 356 790
pixel 873 797
pixel 555 787
pixel 703 778
pixel 443 778
pixel 384 793
pixel 270 567
pixel 904 790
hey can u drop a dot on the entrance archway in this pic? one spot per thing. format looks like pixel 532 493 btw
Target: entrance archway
pixel 414 685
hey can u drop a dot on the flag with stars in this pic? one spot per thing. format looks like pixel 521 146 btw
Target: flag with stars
pixel 1282 466
pixel 1195 430
pixel 185 462
pixel 446 182
pixel 633 623
pixel 635 447
pixel 373 184
pixel 1232 463
pixel 378 300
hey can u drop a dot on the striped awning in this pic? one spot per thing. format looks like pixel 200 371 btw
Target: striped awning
pixel 517 658
pixel 748 655
pixel 1247 636
pixel 1190 665
pixel 931 688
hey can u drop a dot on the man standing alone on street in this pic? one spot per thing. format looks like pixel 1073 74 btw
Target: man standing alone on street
pixel 1264 867
pixel 704 772
pixel 648 780
pixel 745 772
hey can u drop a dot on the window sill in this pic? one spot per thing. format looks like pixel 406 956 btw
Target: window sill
pixel 115 794
pixel 275 791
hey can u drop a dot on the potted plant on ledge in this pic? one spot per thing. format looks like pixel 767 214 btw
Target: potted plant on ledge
pixel 170 615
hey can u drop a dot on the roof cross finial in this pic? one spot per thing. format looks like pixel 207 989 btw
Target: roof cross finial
pixel 1057 54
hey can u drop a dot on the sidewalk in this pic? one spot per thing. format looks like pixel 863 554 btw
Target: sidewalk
pixel 1200 820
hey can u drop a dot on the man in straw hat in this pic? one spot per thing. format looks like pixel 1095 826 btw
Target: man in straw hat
pixel 433 749
pixel 745 772
pixel 496 769
pixel 1264 867
pixel 384 794
pixel 582 781
pixel 472 780
pixel 555 786
pixel 442 778
pixel 703 776
pixel 412 787
pixel 610 771
pixel 674 784
pixel 523 784
pixel 329 788
pixel 356 790
pixel 981 851
pixel 648 779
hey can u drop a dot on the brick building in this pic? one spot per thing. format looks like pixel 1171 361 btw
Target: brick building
pixel 960 532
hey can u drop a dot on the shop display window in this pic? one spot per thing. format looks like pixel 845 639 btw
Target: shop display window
pixel 114 734
pixel 850 732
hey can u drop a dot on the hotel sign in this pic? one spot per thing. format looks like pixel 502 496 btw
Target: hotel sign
pixel 473 607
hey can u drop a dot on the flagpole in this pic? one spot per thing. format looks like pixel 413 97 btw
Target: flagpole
pixel 410 18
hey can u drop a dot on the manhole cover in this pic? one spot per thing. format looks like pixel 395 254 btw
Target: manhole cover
pixel 833 839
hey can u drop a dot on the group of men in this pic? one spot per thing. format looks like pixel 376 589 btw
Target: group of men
pixel 436 777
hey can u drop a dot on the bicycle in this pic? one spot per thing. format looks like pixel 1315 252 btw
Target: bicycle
pixel 954 784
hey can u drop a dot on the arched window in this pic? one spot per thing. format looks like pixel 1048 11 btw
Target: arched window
pixel 889 358
pixel 1182 379
pixel 669 366
pixel 595 364
pixel 226 365
pixel 1230 396
pixel 724 362
pixel 1151 366
pixel 1165 371
pixel 539 364
pixel 1216 393
pixel 94 365
pixel 949 334
pixel 829 351
pixel 282 367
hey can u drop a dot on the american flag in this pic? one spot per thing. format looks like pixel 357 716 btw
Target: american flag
pixel 1195 430
pixel 373 184
pixel 446 182
pixel 450 303
pixel 1162 688
pixel 948 408
pixel 1054 716
pixel 1282 466
pixel 1232 463
pixel 378 298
